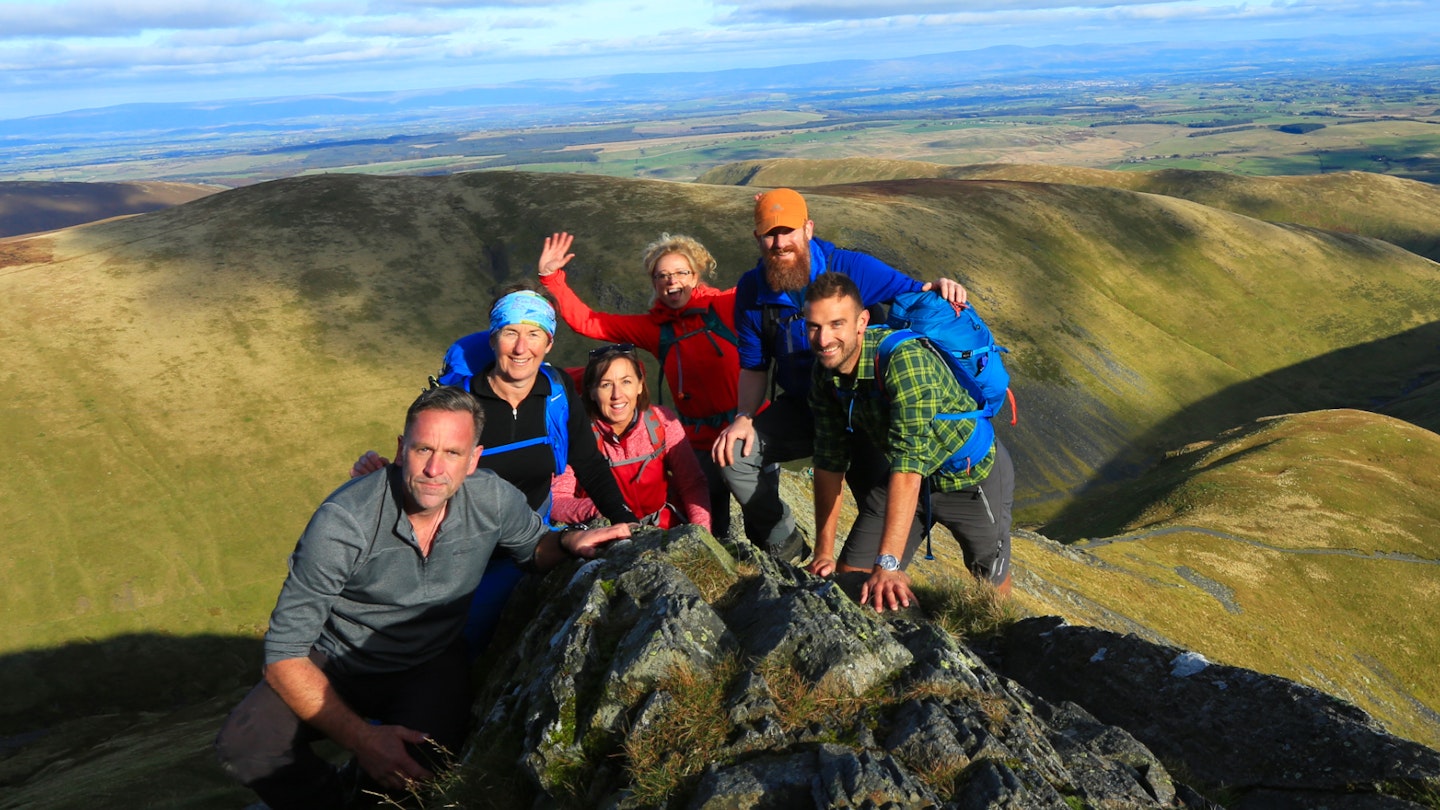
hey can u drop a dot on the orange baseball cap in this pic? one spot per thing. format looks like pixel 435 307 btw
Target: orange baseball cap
pixel 782 207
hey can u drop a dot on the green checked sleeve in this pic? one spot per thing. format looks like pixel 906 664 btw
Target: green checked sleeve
pixel 922 386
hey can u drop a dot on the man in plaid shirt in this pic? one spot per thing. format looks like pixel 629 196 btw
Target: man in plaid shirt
pixel 971 497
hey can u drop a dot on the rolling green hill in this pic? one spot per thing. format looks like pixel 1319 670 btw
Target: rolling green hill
pixel 191 382
pixel 183 387
pixel 1404 212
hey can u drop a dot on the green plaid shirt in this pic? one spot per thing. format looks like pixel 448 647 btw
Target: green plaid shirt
pixel 900 419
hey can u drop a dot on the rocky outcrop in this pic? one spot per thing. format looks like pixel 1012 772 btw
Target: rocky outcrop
pixel 1270 741
pixel 678 672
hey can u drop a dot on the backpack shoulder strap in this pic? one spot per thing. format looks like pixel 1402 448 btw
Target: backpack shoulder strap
pixel 887 347
pixel 657 433
pixel 557 418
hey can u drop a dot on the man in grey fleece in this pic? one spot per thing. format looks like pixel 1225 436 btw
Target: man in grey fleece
pixel 363 645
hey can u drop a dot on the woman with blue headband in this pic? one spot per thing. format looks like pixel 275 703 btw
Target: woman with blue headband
pixel 535 425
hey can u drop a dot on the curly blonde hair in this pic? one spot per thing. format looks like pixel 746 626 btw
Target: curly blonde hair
pixel 688 246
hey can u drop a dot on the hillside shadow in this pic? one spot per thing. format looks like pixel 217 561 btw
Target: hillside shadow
pixel 143 672
pixel 1364 377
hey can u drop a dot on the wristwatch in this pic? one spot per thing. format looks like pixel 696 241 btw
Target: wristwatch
pixel 888 562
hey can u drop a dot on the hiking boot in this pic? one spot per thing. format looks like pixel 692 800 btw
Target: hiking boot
pixel 1003 589
pixel 795 550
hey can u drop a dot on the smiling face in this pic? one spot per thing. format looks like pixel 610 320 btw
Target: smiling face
pixel 436 453
pixel 836 328
pixel 785 253
pixel 674 280
pixel 519 351
pixel 617 393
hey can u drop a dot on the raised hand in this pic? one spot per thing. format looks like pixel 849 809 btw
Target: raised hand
pixel 556 253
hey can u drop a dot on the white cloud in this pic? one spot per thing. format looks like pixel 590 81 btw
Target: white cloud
pixel 802 11
pixel 112 18
pixel 407 5
pixel 397 26
pixel 231 37
pixel 522 23
pixel 332 45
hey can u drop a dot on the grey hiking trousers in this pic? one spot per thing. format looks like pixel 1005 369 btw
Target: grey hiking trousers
pixel 785 431
pixel 978 516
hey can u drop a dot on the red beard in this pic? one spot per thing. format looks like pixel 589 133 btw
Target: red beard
pixel 787 271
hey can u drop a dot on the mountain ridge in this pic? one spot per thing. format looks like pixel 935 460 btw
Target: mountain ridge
pixel 188 384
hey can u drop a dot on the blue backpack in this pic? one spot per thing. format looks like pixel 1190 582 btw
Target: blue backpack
pixel 969 350
pixel 472 353
pixel 964 342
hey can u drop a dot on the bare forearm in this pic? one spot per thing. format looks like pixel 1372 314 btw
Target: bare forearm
pixel 902 496
pixel 828 490
pixel 549 552
pixel 309 693
pixel 752 390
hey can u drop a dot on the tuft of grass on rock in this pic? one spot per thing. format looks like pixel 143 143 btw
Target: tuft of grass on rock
pixel 666 755
pixel 965 607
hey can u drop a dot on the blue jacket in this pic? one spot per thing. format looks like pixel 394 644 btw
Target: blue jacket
pixel 878 283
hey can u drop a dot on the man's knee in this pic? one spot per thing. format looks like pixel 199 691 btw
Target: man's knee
pixel 258 737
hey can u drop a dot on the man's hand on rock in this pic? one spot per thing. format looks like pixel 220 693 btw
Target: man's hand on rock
pixel 383 755
pixel 587 543
pixel 887 590
pixel 821 566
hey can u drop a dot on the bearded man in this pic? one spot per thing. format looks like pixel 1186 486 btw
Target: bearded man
pixel 770 330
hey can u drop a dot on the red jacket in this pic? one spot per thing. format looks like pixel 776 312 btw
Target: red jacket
pixel 648 480
pixel 702 370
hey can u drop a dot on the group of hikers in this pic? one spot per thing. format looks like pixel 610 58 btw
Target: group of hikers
pixel 398 581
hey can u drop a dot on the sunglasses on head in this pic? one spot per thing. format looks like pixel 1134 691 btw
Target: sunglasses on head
pixel 613 348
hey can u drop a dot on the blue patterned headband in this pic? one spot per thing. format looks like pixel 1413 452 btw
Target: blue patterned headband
pixel 523 306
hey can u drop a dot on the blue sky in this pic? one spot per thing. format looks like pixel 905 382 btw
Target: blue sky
pixel 71 54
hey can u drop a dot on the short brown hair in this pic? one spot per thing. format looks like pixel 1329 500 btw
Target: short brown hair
pixel 833 285
pixel 447 398
pixel 600 362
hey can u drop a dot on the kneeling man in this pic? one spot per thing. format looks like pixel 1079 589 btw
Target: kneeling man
pixel 971 497
pixel 364 643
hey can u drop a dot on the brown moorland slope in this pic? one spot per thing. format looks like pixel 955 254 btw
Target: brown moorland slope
pixel 1403 212
pixel 33 207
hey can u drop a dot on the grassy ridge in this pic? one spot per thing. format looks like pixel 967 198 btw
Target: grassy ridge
pixel 183 387
pixel 1302 545
pixel 1403 212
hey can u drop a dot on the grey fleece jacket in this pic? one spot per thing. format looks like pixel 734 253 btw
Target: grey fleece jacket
pixel 359 588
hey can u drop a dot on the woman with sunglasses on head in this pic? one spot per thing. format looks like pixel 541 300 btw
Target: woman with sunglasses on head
pixel 690 329
pixel 649 454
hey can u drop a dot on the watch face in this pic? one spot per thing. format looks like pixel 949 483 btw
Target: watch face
pixel 888 562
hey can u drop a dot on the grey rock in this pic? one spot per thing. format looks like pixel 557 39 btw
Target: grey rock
pixel 827 636
pixel 1229 726
pixel 898 713
pixel 774 782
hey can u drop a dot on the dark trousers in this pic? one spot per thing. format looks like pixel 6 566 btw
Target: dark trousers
pixel 265 746
pixel 786 432
pixel 978 516
pixel 719 495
